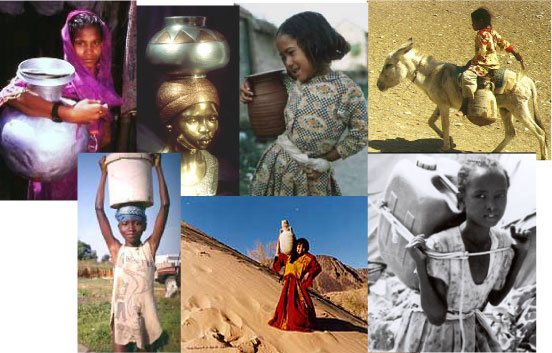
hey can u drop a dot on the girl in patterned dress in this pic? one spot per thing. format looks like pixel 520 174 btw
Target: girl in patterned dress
pixel 454 290
pixel 487 41
pixel 134 319
pixel 322 105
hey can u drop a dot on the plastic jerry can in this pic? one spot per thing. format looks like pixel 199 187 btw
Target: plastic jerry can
pixel 424 200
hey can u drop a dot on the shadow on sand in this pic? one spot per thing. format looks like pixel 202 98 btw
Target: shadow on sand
pixel 430 145
pixel 336 325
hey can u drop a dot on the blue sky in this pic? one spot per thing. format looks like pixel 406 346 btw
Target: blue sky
pixel 88 229
pixel 335 226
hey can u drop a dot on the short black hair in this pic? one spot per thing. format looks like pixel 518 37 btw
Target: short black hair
pixel 470 165
pixel 482 15
pixel 305 243
pixel 316 37
pixel 83 20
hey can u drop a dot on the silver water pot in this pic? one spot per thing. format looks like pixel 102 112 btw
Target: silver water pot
pixel 184 47
pixel 36 147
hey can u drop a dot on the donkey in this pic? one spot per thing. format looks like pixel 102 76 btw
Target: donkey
pixel 439 81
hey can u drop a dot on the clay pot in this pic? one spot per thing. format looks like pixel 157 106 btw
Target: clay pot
pixel 483 110
pixel 266 111
pixel 286 238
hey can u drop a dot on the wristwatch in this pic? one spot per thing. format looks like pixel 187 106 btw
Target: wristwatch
pixel 54 113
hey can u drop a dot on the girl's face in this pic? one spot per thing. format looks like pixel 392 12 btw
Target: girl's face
pixel 296 62
pixel 198 124
pixel 131 230
pixel 300 249
pixel 88 46
pixel 485 196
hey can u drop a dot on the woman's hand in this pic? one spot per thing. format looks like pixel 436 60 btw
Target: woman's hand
pixel 415 249
pixel 103 165
pixel 246 94
pixel 305 278
pixel 87 111
pixel 521 246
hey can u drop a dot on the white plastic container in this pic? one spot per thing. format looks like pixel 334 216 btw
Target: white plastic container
pixel 423 199
pixel 130 180
pixel 286 238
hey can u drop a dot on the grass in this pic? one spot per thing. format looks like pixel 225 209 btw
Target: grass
pixel 94 297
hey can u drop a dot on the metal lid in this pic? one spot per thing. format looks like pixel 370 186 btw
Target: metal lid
pixel 46 72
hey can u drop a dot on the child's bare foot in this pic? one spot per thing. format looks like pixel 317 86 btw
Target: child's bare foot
pixel 463 111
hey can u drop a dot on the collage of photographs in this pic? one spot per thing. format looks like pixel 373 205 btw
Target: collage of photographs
pixel 142 132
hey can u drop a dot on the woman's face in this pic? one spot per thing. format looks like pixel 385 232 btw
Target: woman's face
pixel 296 62
pixel 88 46
pixel 198 124
pixel 485 196
pixel 131 230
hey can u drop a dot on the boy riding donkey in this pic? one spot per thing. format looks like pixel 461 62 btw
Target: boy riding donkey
pixel 485 63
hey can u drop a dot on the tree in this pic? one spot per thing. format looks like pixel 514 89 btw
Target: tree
pixel 85 251
pixel 263 253
pixel 106 258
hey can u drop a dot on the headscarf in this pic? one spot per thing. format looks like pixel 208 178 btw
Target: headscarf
pixel 130 212
pixel 85 85
pixel 176 96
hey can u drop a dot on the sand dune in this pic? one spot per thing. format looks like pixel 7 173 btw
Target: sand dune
pixel 227 300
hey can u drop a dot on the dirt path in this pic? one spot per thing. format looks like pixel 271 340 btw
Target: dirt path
pixel 398 117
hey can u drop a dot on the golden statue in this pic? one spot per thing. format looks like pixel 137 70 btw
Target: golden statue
pixel 190 110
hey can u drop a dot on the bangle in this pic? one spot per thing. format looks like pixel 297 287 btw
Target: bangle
pixel 54 115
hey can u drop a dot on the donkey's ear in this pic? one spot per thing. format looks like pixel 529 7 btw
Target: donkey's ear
pixel 405 48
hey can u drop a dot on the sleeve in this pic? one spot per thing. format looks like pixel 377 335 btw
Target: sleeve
pixel 503 43
pixel 12 91
pixel 313 269
pixel 438 268
pixel 279 262
pixel 354 113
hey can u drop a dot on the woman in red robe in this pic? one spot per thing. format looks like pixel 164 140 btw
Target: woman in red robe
pixel 295 311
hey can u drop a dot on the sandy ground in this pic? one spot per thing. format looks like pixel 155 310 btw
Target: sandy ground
pixel 397 118
pixel 227 300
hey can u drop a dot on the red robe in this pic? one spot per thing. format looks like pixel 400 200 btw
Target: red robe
pixel 295 311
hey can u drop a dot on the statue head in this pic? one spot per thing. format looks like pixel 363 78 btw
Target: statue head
pixel 189 110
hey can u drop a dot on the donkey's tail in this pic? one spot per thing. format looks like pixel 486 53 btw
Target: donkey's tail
pixel 538 119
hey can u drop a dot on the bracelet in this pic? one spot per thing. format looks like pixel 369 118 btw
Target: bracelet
pixel 54 115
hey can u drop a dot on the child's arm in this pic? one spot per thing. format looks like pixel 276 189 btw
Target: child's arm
pixel 433 291
pixel 112 244
pixel 520 252
pixel 163 213
pixel 354 112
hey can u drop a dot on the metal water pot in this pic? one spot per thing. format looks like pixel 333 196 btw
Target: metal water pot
pixel 185 47
pixel 36 147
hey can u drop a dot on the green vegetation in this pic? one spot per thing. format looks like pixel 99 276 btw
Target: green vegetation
pixel 94 297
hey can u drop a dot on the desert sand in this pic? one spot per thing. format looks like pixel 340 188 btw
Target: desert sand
pixel 227 300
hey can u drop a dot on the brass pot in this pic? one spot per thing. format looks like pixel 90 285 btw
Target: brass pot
pixel 185 47
pixel 266 111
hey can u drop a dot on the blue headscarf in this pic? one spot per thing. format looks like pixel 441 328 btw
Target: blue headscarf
pixel 131 212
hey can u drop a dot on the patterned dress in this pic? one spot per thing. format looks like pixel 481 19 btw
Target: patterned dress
pixel 317 113
pixel 486 42
pixel 133 312
pixel 417 334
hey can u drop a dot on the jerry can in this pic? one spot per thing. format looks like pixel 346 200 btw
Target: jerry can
pixel 483 110
pixel 424 200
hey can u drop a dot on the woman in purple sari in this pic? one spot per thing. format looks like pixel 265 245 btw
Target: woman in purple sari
pixel 86 46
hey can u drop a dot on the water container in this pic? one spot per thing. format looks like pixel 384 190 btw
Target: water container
pixel 424 200
pixel 483 110
pixel 130 179
pixel 286 238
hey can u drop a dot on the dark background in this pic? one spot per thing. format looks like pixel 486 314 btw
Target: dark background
pixel 224 19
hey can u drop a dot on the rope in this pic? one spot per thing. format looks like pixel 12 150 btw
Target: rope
pixel 461 255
